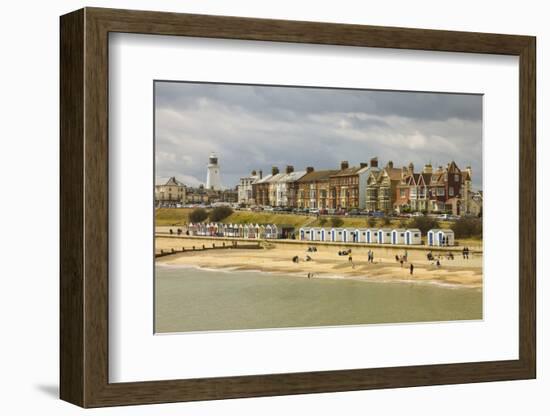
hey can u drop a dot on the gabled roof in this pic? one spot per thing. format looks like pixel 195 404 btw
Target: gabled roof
pixel 172 181
pixel 276 177
pixel 317 175
pixel 354 170
pixel 394 173
pixel 292 176
pixel 264 179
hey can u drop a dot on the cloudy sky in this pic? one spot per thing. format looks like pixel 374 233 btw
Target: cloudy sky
pixel 256 127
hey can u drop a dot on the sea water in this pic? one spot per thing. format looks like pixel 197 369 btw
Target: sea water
pixel 193 299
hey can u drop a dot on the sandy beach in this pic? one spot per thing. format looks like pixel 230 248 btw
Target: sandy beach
pixel 326 263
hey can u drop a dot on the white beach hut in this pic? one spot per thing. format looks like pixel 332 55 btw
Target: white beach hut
pixel 305 234
pixel 431 236
pixel 348 235
pixel 445 238
pixel 383 236
pixel 361 235
pixel 442 238
pixel 336 234
pixel 413 236
pixel 271 231
pixel 398 236
pixel 319 234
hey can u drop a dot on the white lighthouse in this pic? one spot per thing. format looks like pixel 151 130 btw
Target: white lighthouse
pixel 213 174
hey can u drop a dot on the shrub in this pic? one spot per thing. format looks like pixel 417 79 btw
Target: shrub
pixel 424 224
pixel 198 215
pixel 371 222
pixel 336 222
pixel 468 227
pixel 386 221
pixel 322 222
pixel 220 213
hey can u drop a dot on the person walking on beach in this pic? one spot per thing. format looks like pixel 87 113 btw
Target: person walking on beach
pixel 401 261
pixel 411 269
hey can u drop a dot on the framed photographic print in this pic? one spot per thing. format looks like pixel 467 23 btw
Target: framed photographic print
pixel 255 207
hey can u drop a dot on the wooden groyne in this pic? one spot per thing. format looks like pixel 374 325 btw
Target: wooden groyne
pixel 213 246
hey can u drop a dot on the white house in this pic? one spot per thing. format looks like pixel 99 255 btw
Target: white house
pixel 244 189
pixel 413 236
pixel 398 236
pixel 282 187
pixel 383 236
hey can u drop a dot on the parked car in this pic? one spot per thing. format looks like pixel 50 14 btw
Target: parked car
pixel 417 214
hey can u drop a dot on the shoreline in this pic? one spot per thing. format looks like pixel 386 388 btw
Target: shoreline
pixel 326 263
pixel 366 279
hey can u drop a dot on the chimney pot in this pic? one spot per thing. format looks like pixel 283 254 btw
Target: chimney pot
pixel 261 174
pixel 274 170
pixel 374 162
pixel 344 164
pixel 363 164
pixel 390 164
pixel 289 169
pixel 309 169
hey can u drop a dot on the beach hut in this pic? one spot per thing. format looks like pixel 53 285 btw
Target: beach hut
pixel 314 234
pixel 398 236
pixel 413 236
pixel 383 236
pixel 261 231
pixel 319 234
pixel 351 235
pixel 336 234
pixel 271 231
pixel 361 234
pixel 305 234
pixel 441 238
pixel 431 236
pixel 445 238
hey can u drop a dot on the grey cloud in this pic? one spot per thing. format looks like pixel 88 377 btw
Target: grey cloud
pixel 252 127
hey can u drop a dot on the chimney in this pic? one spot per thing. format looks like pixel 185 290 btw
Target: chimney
pixel 411 168
pixel 390 165
pixel 403 172
pixel 253 173
pixel 261 174
pixel 469 170
pixel 363 165
pixel 274 170
pixel 309 169
pixel 374 162
pixel 427 168
pixel 289 169
pixel 344 164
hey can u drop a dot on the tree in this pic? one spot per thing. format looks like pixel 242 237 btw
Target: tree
pixel 424 224
pixel 336 222
pixel 198 215
pixel 220 213
pixel 467 227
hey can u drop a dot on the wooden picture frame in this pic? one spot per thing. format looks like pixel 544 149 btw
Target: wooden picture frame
pixel 84 207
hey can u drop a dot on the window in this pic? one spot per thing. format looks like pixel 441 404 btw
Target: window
pixel 451 191
pixel 456 177
pixel 440 191
pixel 402 193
